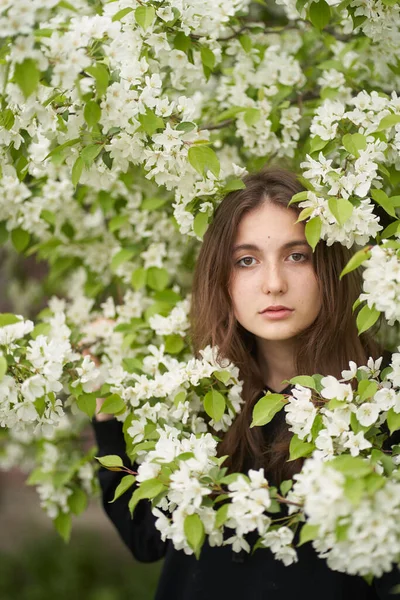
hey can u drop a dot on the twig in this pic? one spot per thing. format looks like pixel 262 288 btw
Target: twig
pixel 221 125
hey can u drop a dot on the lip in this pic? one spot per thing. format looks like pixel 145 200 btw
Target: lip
pixel 276 312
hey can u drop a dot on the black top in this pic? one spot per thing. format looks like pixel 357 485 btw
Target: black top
pixel 221 573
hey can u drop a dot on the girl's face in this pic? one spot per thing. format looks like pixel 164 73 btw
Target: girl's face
pixel 274 288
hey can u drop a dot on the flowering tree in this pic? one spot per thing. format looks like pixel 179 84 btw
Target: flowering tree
pixel 123 123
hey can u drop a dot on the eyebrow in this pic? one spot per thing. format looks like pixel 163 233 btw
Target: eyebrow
pixel 292 244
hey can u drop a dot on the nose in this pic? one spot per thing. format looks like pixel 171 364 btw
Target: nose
pixel 274 281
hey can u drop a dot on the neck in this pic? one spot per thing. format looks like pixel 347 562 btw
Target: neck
pixel 277 362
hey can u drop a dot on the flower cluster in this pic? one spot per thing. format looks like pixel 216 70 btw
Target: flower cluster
pixel 31 402
pixel 343 181
pixel 342 424
pixel 354 515
pixel 381 289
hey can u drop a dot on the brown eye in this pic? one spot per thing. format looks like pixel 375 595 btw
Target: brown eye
pixel 297 257
pixel 247 264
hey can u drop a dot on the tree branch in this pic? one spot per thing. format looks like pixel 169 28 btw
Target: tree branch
pixel 221 125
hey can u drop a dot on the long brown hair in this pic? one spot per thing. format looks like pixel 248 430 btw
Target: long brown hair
pixel 326 346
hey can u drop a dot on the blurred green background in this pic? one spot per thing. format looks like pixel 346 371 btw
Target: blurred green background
pixel 35 564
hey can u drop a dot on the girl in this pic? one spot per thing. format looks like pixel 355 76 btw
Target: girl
pixel 275 309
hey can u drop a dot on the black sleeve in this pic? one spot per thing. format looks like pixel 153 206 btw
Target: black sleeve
pixel 385 587
pixel 385 584
pixel 139 533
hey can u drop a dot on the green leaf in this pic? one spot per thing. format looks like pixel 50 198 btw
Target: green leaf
pixel 374 482
pixel 335 403
pixel 388 121
pixel 393 420
pixel 124 485
pixel 313 231
pixel 158 308
pixel 223 376
pixel 59 149
pixel 111 461
pixel 229 113
pixel 78 501
pixel 351 466
pixel 286 486
pixel 77 171
pixel 185 456
pixel 48 216
pixel 246 43
pixel 113 405
pixel 202 158
pixel 354 488
pixel 341 209
pixel 180 397
pixel 356 260
pixel 366 318
pixel 20 239
pixel 122 13
pixel 299 197
pixel 305 183
pixel 251 116
pixel 117 222
pixel 395 201
pixel 7 118
pixel 214 404
pixel 304 380
pixel 317 143
pixel 152 203
pixel 63 525
pixel 87 404
pixel 92 113
pixel 341 532
pixel 305 214
pixel 299 449
pixel 67 5
pixel 8 319
pixel 132 365
pixel 144 16
pixel 27 76
pixel 138 279
pixel 222 515
pixel 40 405
pixel 150 122
pixel 382 199
pixel 182 42
pixel 366 389
pixel 232 477
pixel 101 75
pixel 200 224
pixel 194 532
pixel 266 408
pixel 308 533
pixel 320 14
pixel 185 126
pixel 353 143
pixel 207 57
pixel 89 153
pixel 3 366
pixel 174 344
pixel 148 489
pixel 41 329
pixel 233 185
pixel 121 257
pixel 157 278
pixel 300 4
